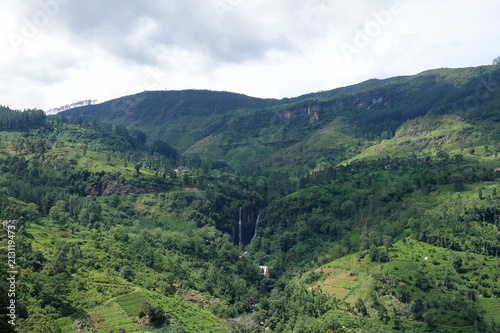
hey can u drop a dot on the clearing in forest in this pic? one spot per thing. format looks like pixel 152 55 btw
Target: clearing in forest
pixel 338 283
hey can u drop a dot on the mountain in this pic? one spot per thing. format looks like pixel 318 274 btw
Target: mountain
pixel 179 117
pixel 369 208
pixel 312 131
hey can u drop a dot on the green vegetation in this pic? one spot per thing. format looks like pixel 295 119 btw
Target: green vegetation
pixel 246 132
pixel 376 209
pixel 131 303
pixel 191 318
pixel 17 120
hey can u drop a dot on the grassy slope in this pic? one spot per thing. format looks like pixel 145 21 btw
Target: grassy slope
pixel 279 143
pixel 179 117
pixel 313 134
pixel 244 131
pixel 425 136
pixel 107 300
pixel 104 298
pixel 351 277
pixel 323 148
pixel 454 133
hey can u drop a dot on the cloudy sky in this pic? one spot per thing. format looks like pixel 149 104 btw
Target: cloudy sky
pixel 55 52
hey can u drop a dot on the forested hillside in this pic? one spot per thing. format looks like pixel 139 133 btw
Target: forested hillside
pixel 370 208
pixel 313 130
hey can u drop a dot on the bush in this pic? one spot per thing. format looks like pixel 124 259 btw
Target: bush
pixel 417 309
pixel 378 256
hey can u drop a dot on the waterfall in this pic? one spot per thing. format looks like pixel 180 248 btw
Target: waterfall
pixel 240 227
pixel 255 232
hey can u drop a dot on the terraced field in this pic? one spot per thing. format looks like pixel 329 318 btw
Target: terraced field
pixel 191 318
pixel 338 283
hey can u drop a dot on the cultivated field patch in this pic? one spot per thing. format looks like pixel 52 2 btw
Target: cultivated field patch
pixel 131 303
pixel 338 283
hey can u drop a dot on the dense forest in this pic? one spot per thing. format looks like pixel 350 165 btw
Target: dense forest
pixel 117 229
pixel 17 120
pixel 315 129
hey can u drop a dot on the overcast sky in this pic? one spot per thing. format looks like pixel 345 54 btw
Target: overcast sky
pixel 55 52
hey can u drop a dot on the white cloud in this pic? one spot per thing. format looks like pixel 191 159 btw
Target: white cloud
pixel 70 50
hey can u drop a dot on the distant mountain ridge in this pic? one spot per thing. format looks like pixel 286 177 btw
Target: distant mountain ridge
pixel 243 130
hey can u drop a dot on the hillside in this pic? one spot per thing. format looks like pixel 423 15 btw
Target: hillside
pixel 371 208
pixel 179 117
pixel 312 131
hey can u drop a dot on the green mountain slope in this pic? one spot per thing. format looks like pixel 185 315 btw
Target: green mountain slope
pixel 179 117
pixel 370 208
pixel 451 134
pixel 444 282
pixel 281 134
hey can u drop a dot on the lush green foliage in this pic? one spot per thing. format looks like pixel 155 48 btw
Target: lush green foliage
pixel 12 120
pixel 245 131
pixel 365 221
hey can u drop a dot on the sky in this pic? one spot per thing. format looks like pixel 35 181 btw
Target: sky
pixel 56 52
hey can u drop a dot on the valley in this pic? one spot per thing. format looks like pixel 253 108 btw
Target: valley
pixel 374 207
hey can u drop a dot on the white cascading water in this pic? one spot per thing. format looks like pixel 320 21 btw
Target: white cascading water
pixel 255 232
pixel 240 231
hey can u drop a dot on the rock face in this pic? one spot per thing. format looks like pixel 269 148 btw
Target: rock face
pixel 106 184
pixel 317 110
pixel 110 187
pixel 248 222
pixel 80 326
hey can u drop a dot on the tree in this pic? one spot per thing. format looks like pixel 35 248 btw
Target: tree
pixel 361 307
pixel 59 259
pixel 429 321
pixel 397 324
pixel 487 151
pixel 155 314
pixel 456 262
pixel 471 295
pixel 417 309
pixel 459 157
pixel 373 296
pixel 137 137
pixel 38 322
pixel 76 252
pixel 496 61
pixel 58 212
pixel 458 181
pixel 382 313
pixel 127 273
pixel 304 324
pixel 145 309
pixel 122 131
pixel 378 256
pixel 387 242
pixel 162 148
pixel 402 293
pixel 138 168
pixel 443 155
